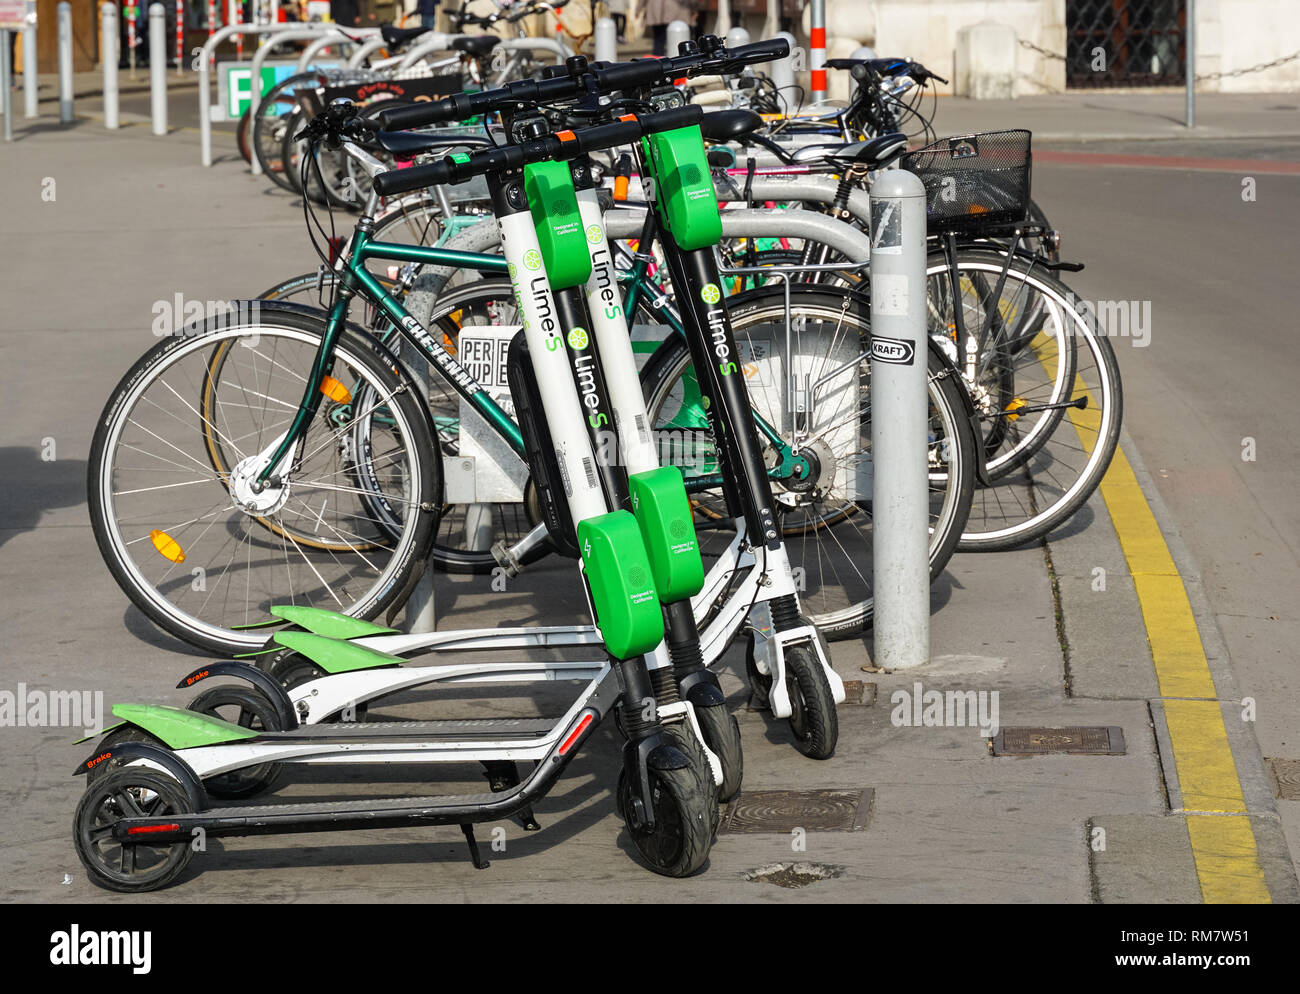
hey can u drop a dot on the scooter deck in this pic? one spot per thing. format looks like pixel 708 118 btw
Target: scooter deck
pixel 445 729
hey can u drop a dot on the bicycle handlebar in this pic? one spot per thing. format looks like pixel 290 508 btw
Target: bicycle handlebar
pixel 561 146
pixel 602 77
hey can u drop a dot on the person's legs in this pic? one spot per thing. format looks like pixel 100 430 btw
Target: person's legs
pixel 620 26
pixel 661 38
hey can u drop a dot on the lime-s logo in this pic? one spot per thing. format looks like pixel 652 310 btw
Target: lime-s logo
pixel 513 269
pixel 597 419
pixel 578 339
pixel 533 259
pixel 710 293
pixel 726 368
pixel 552 343
pixel 594 234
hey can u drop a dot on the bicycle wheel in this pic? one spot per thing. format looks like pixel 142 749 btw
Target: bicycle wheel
pixel 1047 379
pixel 825 517
pixel 183 532
pixel 271 123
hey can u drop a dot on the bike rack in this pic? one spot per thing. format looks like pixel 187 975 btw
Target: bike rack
pixel 205 73
pixel 363 51
pixel 315 48
pixel 436 42
pixel 560 50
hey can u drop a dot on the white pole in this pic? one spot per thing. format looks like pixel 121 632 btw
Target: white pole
pixel 899 431
pixel 817 49
pixel 158 67
pixel 736 37
pixel 724 20
pixel 606 40
pixel 6 99
pixel 65 63
pixel 772 25
pixel 30 100
pixel 678 32
pixel 108 28
pixel 1191 63
pixel 782 73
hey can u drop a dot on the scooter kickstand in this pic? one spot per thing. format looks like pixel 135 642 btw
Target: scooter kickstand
pixel 475 856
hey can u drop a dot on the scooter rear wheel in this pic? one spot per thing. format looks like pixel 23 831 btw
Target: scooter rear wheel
pixel 132 791
pixel 678 845
pixel 248 708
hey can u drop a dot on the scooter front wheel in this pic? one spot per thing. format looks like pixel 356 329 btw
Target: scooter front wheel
pixel 130 792
pixel 813 719
pixel 678 845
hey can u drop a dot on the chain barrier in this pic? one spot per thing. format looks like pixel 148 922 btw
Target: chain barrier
pixel 1200 77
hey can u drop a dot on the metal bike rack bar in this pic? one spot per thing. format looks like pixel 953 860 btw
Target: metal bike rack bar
pixel 314 49
pixel 435 42
pixel 205 73
pixel 560 50
pixel 259 59
pixel 363 51
pixel 899 427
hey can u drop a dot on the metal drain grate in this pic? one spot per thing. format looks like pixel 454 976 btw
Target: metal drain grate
pixel 1094 740
pixel 858 692
pixel 1286 778
pixel 779 812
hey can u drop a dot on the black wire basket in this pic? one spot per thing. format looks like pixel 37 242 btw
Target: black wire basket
pixel 974 183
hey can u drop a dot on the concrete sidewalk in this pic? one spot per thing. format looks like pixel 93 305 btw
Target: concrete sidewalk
pixel 136 220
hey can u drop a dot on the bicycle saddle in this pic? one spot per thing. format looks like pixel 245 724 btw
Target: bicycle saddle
pixel 394 36
pixel 475 45
pixel 728 125
pixel 874 152
pixel 406 144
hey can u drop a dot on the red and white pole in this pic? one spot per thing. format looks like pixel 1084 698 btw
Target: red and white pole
pixel 212 17
pixel 180 37
pixel 817 49
pixel 237 17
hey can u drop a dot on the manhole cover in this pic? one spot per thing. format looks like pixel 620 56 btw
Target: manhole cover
pixel 858 692
pixel 1095 740
pixel 1286 778
pixel 782 811
pixel 792 875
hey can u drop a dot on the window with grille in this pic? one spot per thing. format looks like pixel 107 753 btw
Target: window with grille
pixel 1124 43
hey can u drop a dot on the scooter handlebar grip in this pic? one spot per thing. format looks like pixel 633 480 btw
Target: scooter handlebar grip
pixel 415 178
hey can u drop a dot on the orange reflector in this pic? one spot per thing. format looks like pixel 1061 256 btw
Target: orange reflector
pixel 1015 405
pixel 620 187
pixel 167 546
pixel 146 829
pixel 567 744
pixel 977 209
pixel 335 390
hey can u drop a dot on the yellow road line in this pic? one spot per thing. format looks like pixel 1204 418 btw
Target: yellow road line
pixel 1227 861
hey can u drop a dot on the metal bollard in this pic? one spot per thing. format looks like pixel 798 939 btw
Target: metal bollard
pixel 180 37
pixel 65 62
pixel 899 428
pixel 723 23
pixel 6 100
pixel 678 32
pixel 782 73
pixel 30 100
pixel 606 40
pixel 1190 42
pixel 817 50
pixel 737 36
pixel 108 27
pixel 158 67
